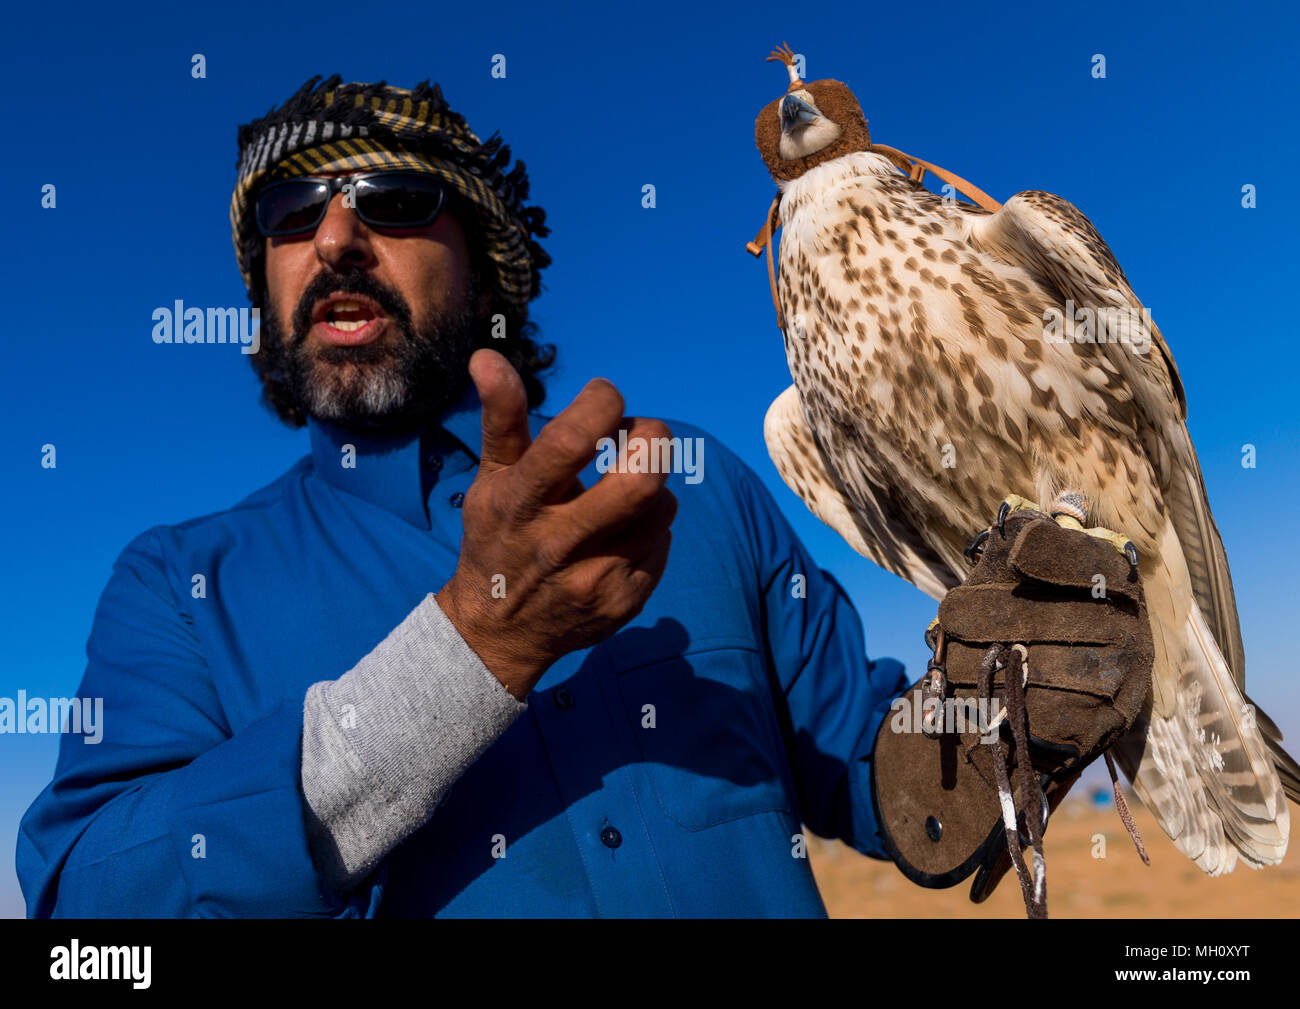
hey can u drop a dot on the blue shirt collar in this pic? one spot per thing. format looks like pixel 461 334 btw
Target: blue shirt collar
pixel 390 471
pixel 464 422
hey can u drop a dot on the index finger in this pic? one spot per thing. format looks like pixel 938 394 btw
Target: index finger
pixel 568 444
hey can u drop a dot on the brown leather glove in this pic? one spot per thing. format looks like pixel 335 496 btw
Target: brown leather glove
pixel 1071 605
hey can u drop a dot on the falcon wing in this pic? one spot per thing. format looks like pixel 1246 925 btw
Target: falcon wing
pixel 871 526
pixel 1049 236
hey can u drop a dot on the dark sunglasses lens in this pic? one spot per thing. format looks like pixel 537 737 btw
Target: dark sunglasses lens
pixel 295 206
pixel 400 201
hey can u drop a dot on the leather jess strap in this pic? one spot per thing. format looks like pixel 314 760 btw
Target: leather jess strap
pixel 763 240
pixel 914 168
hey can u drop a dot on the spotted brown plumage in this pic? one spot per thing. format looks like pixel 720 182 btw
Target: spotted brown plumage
pixel 926 388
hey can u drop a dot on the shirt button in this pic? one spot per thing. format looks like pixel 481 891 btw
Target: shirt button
pixel 564 698
pixel 610 837
pixel 457 499
pixel 434 462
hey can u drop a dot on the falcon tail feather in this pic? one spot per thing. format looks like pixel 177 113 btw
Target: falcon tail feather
pixel 1205 768
pixel 1288 771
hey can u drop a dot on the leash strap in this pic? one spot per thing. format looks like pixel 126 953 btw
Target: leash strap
pixel 763 240
pixel 1033 882
pixel 1125 814
pixel 914 168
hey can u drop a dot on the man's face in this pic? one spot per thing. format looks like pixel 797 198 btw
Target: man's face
pixel 411 290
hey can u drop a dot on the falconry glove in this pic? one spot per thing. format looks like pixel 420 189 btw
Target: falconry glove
pixel 1042 660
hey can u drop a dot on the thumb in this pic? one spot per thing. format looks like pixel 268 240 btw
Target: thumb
pixel 505 410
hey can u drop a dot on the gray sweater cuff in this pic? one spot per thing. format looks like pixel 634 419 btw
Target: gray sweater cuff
pixel 382 744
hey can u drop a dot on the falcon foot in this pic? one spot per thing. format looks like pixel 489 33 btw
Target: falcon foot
pixel 1070 510
pixel 976 546
pixel 931 634
pixel 1120 542
pixel 1015 503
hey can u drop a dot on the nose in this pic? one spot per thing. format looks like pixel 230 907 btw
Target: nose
pixel 342 240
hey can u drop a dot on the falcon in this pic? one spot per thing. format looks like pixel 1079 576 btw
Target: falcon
pixel 947 357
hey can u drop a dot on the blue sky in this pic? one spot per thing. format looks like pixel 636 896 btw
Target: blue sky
pixel 665 302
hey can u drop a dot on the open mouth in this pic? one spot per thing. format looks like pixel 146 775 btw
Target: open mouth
pixel 347 320
pixel 348 316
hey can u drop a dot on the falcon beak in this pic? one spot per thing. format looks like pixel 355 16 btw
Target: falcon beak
pixel 795 110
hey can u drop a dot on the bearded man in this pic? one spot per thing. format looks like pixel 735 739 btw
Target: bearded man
pixel 444 665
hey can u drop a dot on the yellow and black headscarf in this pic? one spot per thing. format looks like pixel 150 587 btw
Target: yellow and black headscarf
pixel 330 126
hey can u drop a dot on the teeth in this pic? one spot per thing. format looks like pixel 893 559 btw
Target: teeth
pixel 343 308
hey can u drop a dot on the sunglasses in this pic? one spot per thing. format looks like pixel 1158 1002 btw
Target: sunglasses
pixel 380 199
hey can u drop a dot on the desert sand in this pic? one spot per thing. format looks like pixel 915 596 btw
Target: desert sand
pixel 1079 885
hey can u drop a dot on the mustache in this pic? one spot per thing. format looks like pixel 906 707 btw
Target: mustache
pixel 352 282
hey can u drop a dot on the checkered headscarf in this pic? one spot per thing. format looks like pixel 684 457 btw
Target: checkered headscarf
pixel 360 127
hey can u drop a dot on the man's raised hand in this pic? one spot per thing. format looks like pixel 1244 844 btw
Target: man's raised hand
pixel 547 567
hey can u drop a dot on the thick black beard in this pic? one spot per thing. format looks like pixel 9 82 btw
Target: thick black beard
pixel 401 384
